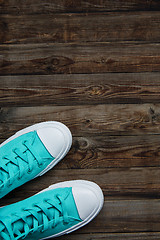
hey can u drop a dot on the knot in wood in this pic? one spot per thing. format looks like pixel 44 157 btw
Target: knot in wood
pixel 55 61
pixel 83 143
pixel 95 90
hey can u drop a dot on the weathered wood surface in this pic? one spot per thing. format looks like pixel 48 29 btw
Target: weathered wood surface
pixel 143 26
pixel 53 6
pixel 113 236
pixel 94 65
pixel 79 58
pixel 86 120
pixel 112 152
pixel 130 182
pixel 72 89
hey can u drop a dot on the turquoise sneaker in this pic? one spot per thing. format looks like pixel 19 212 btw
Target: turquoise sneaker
pixel 57 210
pixel 31 152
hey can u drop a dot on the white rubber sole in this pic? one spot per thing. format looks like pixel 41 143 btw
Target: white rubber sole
pixel 92 186
pixel 63 128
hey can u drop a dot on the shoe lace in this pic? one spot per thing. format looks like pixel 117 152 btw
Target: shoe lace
pixel 41 218
pixel 17 159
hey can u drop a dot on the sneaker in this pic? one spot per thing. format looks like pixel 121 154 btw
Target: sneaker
pixel 31 152
pixel 60 209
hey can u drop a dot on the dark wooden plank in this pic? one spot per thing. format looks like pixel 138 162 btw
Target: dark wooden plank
pixel 94 27
pixel 116 184
pixel 75 89
pixel 113 152
pixel 138 182
pixel 125 216
pixel 79 58
pixel 52 6
pixel 87 120
pixel 113 236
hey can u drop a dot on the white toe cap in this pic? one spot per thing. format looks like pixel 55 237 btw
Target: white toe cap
pixel 56 139
pixel 89 199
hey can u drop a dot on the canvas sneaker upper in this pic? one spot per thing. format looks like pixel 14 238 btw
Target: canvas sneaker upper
pixel 57 210
pixel 32 152
pixel 21 160
pixel 40 216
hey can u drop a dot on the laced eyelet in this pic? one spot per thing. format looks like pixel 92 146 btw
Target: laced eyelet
pixel 65 223
pixel 14 150
pixel 45 200
pixel 9 185
pixel 19 178
pixel 40 165
pixel 29 171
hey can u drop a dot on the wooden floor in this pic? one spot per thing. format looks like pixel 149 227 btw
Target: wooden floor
pixel 95 66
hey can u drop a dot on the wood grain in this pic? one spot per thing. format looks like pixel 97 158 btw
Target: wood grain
pixel 117 184
pixel 60 58
pixel 113 236
pixel 52 6
pixel 69 89
pixel 80 27
pixel 87 120
pixel 113 152
pixel 95 66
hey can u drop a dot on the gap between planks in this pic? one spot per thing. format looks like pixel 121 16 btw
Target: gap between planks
pixel 52 6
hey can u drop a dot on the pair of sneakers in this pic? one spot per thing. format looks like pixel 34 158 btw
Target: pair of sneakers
pixel 58 209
